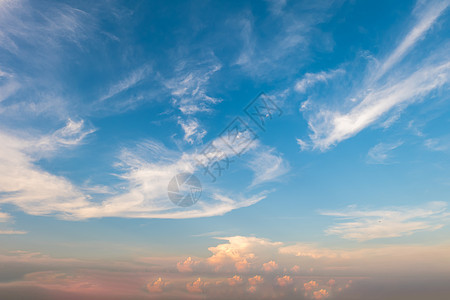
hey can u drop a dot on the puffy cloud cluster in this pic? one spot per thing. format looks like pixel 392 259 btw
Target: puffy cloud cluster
pixel 157 286
pixel 196 286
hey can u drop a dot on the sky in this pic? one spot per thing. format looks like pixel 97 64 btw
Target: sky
pixel 309 139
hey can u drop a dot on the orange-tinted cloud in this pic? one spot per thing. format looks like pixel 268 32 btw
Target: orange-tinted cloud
pixel 285 280
pixel 235 280
pixel 156 286
pixel 196 286
pixel 320 294
pixel 309 286
pixel 270 266
pixel 255 280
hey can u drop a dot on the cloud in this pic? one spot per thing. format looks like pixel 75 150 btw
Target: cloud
pixel 196 286
pixel 27 186
pixel 285 280
pixel 321 294
pixel 276 6
pixel 144 171
pixel 134 78
pixel 238 254
pixel 366 225
pixel 4 217
pixel 157 286
pixel 255 280
pixel 235 280
pixel 187 265
pixel 311 285
pixel 332 127
pixel 310 79
pixel 441 144
pixel 189 88
pixel 427 17
pixel 267 166
pixel 154 277
pixel 294 31
pixel 23 23
pixel 376 97
pixel 9 232
pixel 270 266
pixel 379 154
pixel 192 132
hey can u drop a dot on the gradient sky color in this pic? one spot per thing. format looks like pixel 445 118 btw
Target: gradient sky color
pixel 341 193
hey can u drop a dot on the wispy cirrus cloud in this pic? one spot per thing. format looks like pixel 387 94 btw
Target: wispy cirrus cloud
pixel 27 186
pixel 363 225
pixel 382 91
pixel 427 14
pixel 192 131
pixel 267 166
pixel 310 79
pixel 189 87
pixel 380 153
pixel 130 81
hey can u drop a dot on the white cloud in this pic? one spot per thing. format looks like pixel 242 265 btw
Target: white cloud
pixel 379 154
pixel 30 188
pixel 276 6
pixel 310 79
pixel 22 24
pixel 128 82
pixel 330 126
pixel 189 88
pixel 363 225
pixel 145 173
pixel 428 16
pixel 7 218
pixel 438 144
pixel 192 131
pixel 4 217
pixel 267 166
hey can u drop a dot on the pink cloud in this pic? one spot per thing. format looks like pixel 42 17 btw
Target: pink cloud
pixel 320 294
pixel 255 280
pixel 285 280
pixel 270 266
pixel 235 280
pixel 196 286
pixel 157 286
pixel 187 265
pixel 309 286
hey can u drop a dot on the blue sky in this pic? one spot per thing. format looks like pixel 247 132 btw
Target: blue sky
pixel 102 104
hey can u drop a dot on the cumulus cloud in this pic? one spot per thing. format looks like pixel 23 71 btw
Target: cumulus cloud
pixel 311 285
pixel 196 286
pixel 157 286
pixel 187 265
pixel 238 254
pixel 270 266
pixel 320 294
pixel 235 280
pixel 285 280
pixel 255 280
